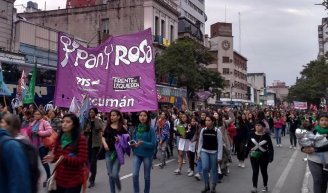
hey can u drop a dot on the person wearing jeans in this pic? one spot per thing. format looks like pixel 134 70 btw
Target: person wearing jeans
pixel 143 149
pixel 113 169
pixel 210 150
pixel 114 134
pixel 278 124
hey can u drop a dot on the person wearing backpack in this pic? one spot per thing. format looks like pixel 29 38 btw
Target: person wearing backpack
pixel 210 148
pixel 15 171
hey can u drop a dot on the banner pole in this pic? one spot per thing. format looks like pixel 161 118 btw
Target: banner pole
pixel 4 99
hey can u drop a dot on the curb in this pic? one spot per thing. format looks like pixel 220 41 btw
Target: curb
pixel 305 186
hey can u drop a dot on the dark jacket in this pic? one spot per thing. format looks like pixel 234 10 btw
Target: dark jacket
pixel 14 169
pixel 294 124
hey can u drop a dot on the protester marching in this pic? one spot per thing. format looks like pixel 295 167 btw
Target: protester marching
pixel 105 112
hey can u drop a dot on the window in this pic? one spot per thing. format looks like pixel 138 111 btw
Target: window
pixel 171 33
pixel 105 26
pixel 225 59
pixel 227 83
pixel 163 28
pixel 225 70
pixel 156 30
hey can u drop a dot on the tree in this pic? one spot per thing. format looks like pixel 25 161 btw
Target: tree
pixel 313 84
pixel 186 60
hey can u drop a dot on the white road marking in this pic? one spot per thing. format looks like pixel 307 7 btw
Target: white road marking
pixel 305 188
pixel 282 178
pixel 168 161
pixel 126 176
pixel 130 175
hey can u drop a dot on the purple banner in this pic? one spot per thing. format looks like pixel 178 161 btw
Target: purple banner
pixel 118 74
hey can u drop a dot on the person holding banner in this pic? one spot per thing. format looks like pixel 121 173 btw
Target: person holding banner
pixel 112 134
pixel 143 144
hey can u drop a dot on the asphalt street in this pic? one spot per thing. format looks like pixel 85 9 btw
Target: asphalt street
pixel 285 176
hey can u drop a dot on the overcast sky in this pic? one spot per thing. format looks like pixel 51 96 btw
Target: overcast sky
pixel 278 36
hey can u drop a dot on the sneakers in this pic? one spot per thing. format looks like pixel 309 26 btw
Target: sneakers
pixel 290 147
pixel 242 165
pixel 294 147
pixel 280 145
pixel 197 176
pixel 177 172
pixel 189 170
pixel 277 145
pixel 91 185
pixel 265 189
pixel 254 190
pixel 190 174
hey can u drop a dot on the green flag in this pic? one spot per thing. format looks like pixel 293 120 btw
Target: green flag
pixel 30 93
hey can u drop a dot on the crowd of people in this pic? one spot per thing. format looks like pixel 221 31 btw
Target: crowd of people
pixel 207 140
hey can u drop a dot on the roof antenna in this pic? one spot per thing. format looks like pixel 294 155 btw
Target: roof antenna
pixel 239 32
pixel 225 13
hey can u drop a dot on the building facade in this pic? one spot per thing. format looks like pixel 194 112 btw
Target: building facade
pixel 323 37
pixel 280 89
pixel 258 83
pixel 7 12
pixel 231 64
pixel 97 23
pixel 193 10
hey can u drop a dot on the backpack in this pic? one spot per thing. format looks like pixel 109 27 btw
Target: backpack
pixel 32 158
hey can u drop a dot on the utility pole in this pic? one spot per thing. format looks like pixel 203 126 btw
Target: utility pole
pixel 324 3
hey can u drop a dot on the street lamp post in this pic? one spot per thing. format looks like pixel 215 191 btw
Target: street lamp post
pixel 232 86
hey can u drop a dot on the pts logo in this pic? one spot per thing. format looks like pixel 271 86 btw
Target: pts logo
pixel 87 82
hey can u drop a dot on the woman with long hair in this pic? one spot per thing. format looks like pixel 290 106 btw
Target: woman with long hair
pixel 192 134
pixel 183 145
pixel 40 129
pixel 53 119
pixel 241 139
pixel 113 134
pixel 143 149
pixel 93 131
pixel 71 149
pixel 278 124
pixel 210 149
pixel 261 154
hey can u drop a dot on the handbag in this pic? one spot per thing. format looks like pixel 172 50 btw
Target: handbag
pixel 101 153
pixel 51 182
pixel 51 140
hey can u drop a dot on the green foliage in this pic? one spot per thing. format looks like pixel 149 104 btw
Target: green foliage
pixel 185 60
pixel 313 84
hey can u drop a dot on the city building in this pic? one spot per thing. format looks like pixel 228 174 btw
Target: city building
pixel 280 89
pixel 258 83
pixel 188 29
pixel 194 11
pixel 7 13
pixel 98 22
pixel 323 37
pixel 231 64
